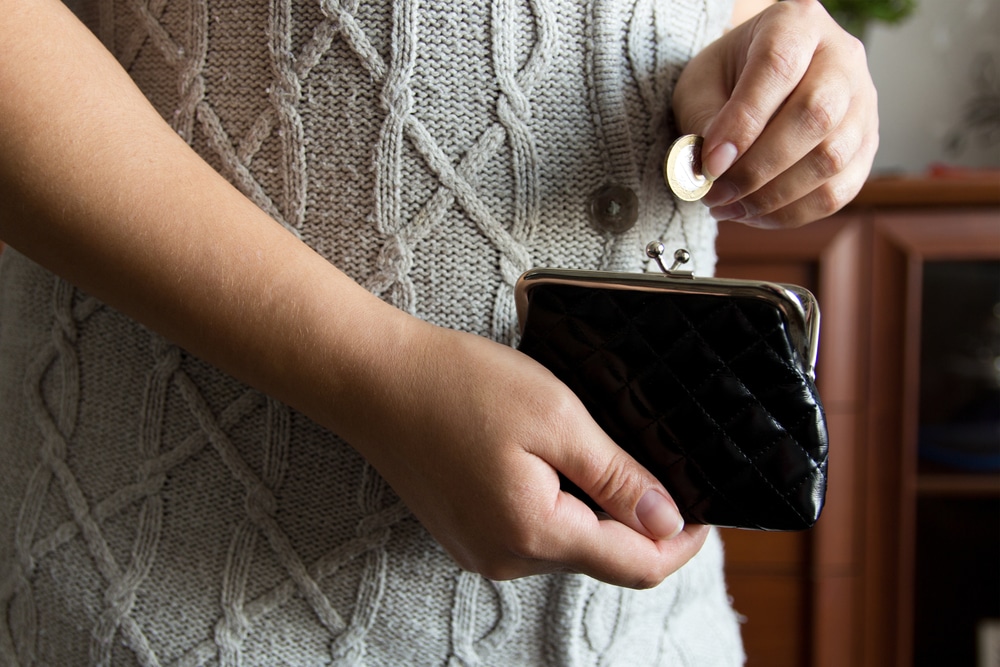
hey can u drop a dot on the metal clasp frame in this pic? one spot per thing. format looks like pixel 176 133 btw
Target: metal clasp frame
pixel 655 251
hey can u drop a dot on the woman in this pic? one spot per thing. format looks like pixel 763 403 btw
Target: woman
pixel 322 239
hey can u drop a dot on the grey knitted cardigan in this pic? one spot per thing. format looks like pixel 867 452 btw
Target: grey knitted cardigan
pixel 154 511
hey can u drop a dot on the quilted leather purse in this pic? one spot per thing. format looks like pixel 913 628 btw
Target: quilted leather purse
pixel 708 383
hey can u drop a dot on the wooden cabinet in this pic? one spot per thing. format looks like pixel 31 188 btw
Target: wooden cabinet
pixel 852 590
pixel 798 591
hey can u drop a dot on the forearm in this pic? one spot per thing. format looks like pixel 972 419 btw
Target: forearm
pixel 100 190
pixel 471 434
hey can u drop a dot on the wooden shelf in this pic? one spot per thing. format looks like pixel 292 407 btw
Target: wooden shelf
pixel 958 484
pixel 973 188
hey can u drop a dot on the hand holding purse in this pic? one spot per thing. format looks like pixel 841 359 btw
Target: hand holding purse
pixel 708 383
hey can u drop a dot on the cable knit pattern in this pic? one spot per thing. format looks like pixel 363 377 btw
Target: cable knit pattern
pixel 153 511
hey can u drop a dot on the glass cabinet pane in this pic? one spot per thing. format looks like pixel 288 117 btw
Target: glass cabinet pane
pixel 957 576
pixel 960 366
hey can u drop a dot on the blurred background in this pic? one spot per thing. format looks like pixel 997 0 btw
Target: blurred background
pixel 938 75
pixel 903 568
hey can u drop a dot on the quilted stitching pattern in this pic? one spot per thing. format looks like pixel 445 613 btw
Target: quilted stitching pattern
pixel 706 392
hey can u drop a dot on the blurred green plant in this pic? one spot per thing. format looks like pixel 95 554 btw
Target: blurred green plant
pixel 980 124
pixel 856 15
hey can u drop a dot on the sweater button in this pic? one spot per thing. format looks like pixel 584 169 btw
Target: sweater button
pixel 614 208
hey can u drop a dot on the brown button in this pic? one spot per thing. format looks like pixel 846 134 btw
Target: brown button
pixel 614 208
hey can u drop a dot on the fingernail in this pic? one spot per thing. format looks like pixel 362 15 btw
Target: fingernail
pixel 659 516
pixel 722 192
pixel 718 161
pixel 733 211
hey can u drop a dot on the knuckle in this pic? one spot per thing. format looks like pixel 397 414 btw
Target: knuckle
pixel 849 190
pixel 653 577
pixel 871 145
pixel 786 217
pixel 781 219
pixel 831 197
pixel 565 406
pixel 831 158
pixel 648 581
pixel 822 110
pixel 552 411
pixel 615 483
pixel 782 57
pixel 556 403
pixel 745 122
pixel 763 202
pixel 855 48
pixel 523 543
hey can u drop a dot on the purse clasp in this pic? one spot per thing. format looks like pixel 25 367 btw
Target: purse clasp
pixel 655 251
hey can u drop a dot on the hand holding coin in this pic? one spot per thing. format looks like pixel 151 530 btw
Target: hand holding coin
pixel 789 116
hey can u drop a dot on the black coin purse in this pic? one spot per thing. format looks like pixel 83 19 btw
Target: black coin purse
pixel 708 383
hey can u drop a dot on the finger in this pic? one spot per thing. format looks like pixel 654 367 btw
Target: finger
pixel 778 55
pixel 614 553
pixel 617 483
pixel 851 148
pixel 816 110
pixel 821 202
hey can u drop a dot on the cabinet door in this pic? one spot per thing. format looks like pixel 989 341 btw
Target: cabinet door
pixel 799 592
pixel 902 243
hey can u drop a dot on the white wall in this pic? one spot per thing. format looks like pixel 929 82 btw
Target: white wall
pixel 925 69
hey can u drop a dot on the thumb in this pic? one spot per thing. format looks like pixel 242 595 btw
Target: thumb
pixel 624 489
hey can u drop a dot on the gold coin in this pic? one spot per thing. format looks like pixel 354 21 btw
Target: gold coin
pixel 682 169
